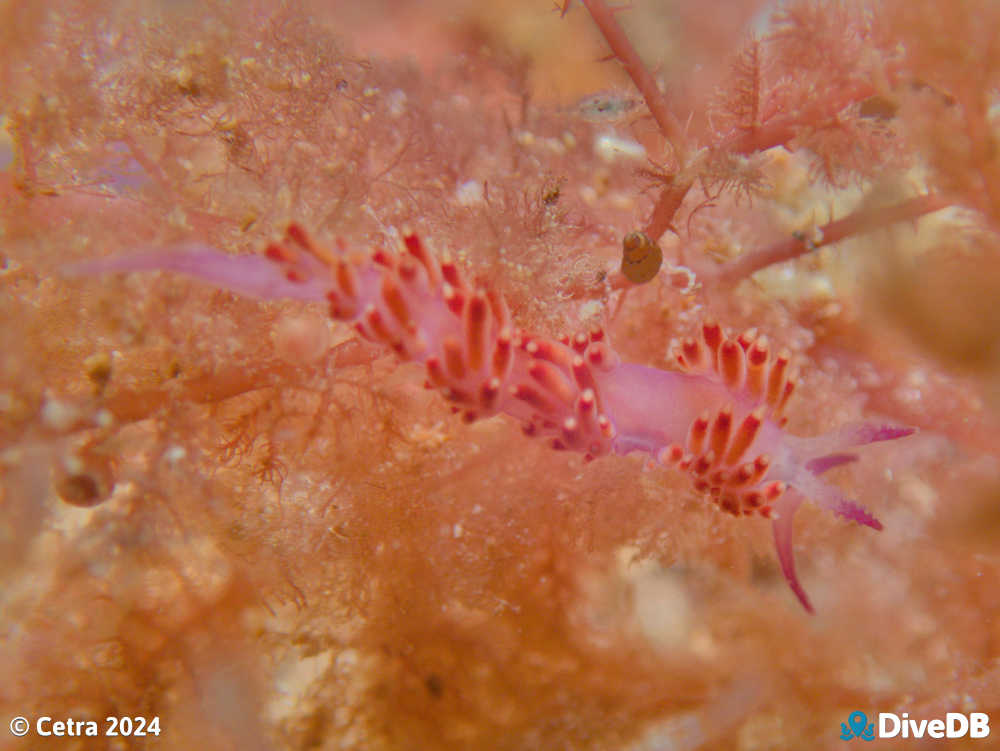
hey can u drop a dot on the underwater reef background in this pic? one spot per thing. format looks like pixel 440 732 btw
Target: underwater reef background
pixel 237 516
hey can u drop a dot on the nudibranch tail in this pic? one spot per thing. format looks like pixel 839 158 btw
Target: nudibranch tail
pixel 248 275
pixel 719 418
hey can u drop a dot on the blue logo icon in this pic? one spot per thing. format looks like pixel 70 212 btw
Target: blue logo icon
pixel 859 728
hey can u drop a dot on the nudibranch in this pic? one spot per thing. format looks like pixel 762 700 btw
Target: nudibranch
pixel 719 417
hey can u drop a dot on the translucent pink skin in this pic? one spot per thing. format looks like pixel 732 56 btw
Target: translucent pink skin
pixel 653 408
pixel 252 276
pixel 646 409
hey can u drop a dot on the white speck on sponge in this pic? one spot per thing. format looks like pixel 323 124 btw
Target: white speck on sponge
pixel 469 193
pixel 610 148
pixel 58 415
pixel 396 103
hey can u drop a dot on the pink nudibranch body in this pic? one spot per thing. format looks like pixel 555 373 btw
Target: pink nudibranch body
pixel 717 418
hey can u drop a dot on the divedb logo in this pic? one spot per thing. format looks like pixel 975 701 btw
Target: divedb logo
pixel 889 725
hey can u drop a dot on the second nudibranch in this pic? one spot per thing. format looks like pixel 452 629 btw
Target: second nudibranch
pixel 718 417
